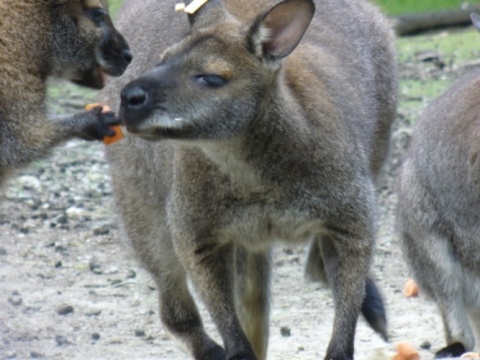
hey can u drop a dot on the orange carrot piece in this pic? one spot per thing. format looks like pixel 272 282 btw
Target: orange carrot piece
pixel 107 140
pixel 405 351
pixel 411 288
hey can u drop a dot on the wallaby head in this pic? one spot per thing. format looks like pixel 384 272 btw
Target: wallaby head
pixel 210 85
pixel 85 42
pixel 71 39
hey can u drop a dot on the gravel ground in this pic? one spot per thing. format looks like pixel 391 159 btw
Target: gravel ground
pixel 69 288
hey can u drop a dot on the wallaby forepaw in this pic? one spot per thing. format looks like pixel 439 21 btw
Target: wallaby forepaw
pixel 451 351
pixel 100 124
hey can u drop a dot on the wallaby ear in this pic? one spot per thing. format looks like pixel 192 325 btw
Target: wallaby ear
pixel 277 33
pixel 475 20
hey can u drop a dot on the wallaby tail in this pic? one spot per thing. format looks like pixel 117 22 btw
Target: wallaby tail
pixel 373 309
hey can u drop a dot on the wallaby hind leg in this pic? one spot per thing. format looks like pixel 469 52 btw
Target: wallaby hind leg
pixel 178 310
pixel 152 244
pixel 211 267
pixel 252 297
pixel 458 334
pixel 346 262
pixel 373 309
pixel 439 275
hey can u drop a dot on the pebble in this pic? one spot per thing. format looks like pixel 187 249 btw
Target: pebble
pixel 35 355
pixel 65 310
pixel 95 336
pixel 3 251
pixel 101 230
pixel 61 340
pixel 130 274
pixel 139 333
pixel 426 345
pixel 15 300
pixel 285 331
pixel 95 266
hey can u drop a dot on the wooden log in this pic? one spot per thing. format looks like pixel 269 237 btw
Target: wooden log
pixel 410 24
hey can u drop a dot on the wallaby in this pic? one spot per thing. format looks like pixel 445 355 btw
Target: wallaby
pixel 72 39
pixel 263 141
pixel 438 214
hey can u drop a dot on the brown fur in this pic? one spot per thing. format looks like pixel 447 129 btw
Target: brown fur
pixel 439 210
pixel 274 149
pixel 41 38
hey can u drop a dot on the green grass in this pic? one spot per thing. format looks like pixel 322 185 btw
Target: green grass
pixel 396 7
pixel 455 49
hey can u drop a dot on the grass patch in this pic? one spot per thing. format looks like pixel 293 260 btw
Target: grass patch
pixel 396 7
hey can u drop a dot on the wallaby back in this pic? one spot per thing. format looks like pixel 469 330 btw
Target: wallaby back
pixel 265 141
pixel 438 210
pixel 74 40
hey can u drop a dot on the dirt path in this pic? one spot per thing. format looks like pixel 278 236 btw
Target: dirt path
pixel 70 290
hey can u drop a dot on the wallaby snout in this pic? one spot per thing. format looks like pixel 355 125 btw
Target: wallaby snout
pixel 114 54
pixel 144 108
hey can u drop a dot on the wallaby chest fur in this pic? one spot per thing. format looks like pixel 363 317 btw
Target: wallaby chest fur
pixel 286 151
pixel 74 40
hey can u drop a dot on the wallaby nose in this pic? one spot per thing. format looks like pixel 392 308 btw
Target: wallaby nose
pixel 134 97
pixel 127 55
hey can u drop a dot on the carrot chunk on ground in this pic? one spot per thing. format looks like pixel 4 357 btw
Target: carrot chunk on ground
pixel 405 351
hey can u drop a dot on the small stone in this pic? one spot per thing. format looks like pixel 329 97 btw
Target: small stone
pixel 15 300
pixel 58 264
pixel 426 345
pixel 95 336
pixel 116 282
pixel 11 355
pixel 93 313
pixel 101 230
pixel 139 333
pixel 61 219
pixel 61 340
pixel 95 266
pixel 35 355
pixel 130 274
pixel 285 331
pixel 65 310
pixel 3 251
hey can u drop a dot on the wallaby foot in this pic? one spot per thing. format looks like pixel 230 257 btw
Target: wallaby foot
pixel 340 355
pixel 451 351
pixel 212 351
pixel 373 309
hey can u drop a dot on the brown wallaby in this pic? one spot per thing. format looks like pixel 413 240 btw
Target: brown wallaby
pixel 72 39
pixel 242 138
pixel 439 209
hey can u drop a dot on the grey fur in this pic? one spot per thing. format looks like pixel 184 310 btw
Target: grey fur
pixel 42 38
pixel 438 215
pixel 285 150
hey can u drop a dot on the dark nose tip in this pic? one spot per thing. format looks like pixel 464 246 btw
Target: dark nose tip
pixel 127 55
pixel 134 97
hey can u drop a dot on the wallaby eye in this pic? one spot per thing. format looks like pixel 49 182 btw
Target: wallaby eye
pixel 211 81
pixel 97 15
